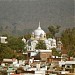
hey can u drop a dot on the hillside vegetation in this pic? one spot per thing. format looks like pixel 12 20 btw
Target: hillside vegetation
pixel 19 17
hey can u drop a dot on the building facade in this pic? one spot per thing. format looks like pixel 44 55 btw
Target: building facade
pixel 39 34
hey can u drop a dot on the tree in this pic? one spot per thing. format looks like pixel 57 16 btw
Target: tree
pixel 55 52
pixel 70 53
pixel 48 35
pixel 68 40
pixel 14 46
pixel 27 36
pixel 16 43
pixel 41 45
pixel 2 46
pixel 7 53
pixel 53 30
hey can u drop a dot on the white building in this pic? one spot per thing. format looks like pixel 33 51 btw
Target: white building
pixel 3 40
pixel 39 34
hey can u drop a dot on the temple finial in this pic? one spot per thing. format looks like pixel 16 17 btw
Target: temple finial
pixel 39 25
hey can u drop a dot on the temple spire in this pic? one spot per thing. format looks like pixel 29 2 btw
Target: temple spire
pixel 39 25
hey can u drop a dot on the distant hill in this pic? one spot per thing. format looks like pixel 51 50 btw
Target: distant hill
pixel 22 16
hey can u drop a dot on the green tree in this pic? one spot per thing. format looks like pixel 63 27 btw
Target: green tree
pixel 55 52
pixel 70 53
pixel 7 53
pixel 16 43
pixel 53 30
pixel 41 45
pixel 68 40
pixel 48 35
pixel 27 36
pixel 2 46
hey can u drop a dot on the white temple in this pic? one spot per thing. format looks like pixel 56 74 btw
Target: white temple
pixel 39 34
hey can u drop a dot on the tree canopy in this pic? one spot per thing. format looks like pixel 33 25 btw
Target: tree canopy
pixel 41 45
pixel 15 43
pixel 10 50
pixel 53 30
pixel 55 52
pixel 68 40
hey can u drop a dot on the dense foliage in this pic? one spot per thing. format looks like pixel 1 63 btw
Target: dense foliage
pixel 14 46
pixel 41 45
pixel 55 52
pixel 15 43
pixel 68 40
pixel 53 30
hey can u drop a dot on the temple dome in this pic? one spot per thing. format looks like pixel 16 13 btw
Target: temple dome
pixel 39 31
pixel 38 34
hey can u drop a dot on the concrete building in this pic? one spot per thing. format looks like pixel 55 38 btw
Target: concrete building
pixel 3 39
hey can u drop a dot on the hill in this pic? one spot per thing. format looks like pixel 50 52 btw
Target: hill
pixel 22 16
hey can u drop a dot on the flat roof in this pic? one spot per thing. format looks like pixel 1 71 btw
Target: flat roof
pixel 43 50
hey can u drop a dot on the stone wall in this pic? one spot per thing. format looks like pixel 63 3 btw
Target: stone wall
pixel 45 55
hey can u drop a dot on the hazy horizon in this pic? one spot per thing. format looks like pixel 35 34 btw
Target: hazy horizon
pixel 26 14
